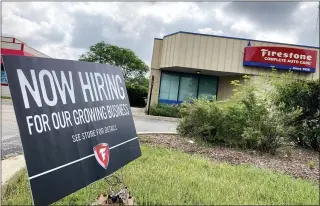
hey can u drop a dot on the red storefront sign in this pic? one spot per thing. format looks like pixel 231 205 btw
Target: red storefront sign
pixel 14 52
pixel 4 81
pixel 283 58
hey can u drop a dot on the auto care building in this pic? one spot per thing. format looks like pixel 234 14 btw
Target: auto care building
pixel 197 65
pixel 13 46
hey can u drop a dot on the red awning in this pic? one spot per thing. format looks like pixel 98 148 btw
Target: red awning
pixel 14 52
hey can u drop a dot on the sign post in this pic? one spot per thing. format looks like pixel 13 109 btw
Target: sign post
pixel 75 123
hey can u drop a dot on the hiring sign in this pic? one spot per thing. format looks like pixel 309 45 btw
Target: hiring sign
pixel 283 58
pixel 75 123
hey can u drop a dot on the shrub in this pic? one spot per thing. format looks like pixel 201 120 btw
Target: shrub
pixel 311 164
pixel 305 95
pixel 165 110
pixel 248 120
pixel 258 124
pixel 137 94
pixel 201 118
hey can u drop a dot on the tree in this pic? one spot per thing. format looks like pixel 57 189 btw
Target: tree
pixel 103 53
pixel 133 68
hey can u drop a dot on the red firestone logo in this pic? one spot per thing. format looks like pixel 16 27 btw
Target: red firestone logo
pixel 102 153
pixel 268 53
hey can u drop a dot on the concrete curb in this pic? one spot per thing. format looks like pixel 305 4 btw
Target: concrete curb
pixel 148 133
pixel 6 102
pixel 10 167
pixel 171 119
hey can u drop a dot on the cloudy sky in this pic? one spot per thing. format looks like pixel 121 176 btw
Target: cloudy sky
pixel 66 30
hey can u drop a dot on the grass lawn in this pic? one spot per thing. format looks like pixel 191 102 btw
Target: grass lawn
pixel 5 97
pixel 164 176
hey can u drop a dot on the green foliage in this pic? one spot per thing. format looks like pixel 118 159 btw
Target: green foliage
pixel 104 53
pixel 137 91
pixel 248 120
pixel 311 164
pixel 305 95
pixel 165 110
pixel 169 177
pixel 201 118
pixel 5 97
pixel 133 68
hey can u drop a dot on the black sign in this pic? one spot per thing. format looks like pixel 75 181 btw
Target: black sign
pixel 75 123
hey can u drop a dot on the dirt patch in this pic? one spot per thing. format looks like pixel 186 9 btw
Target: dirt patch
pixel 297 165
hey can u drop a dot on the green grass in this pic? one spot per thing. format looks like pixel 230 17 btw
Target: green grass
pixel 5 97
pixel 163 176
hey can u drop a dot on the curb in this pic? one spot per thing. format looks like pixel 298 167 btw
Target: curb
pixel 6 102
pixel 11 165
pixel 171 119
pixel 148 133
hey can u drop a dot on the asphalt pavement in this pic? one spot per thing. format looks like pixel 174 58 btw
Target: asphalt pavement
pixel 10 138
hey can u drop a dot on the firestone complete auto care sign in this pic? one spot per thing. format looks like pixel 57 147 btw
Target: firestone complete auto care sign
pixel 283 58
pixel 75 123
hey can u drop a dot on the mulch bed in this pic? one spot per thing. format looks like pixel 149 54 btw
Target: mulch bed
pixel 295 166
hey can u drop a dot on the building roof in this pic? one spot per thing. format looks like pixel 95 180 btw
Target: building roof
pixel 14 46
pixel 184 32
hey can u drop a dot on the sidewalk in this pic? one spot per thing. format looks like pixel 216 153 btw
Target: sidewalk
pixel 11 166
pixel 6 101
pixel 141 113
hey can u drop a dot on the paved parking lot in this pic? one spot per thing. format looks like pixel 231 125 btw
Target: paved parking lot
pixel 11 144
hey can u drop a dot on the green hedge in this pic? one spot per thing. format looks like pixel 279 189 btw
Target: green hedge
pixel 137 91
pixel 137 96
pixel 304 95
pixel 249 119
pixel 165 110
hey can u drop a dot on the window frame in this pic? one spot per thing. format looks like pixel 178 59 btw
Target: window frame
pixel 160 85
pixel 179 74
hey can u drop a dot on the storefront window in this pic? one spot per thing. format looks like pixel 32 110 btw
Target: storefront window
pixel 188 87
pixel 178 87
pixel 207 87
pixel 4 80
pixel 169 88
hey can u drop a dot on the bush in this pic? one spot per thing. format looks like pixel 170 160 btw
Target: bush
pixel 137 96
pixel 137 91
pixel 248 120
pixel 304 95
pixel 201 118
pixel 165 110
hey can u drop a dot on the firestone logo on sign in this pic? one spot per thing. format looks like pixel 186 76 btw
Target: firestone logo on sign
pixel 102 154
pixel 284 58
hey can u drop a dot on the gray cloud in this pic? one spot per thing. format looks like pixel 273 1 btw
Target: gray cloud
pixel 88 30
pixel 273 15
pixel 126 25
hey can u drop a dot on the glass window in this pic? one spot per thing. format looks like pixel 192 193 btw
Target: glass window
pixel 178 87
pixel 188 87
pixel 169 88
pixel 4 79
pixel 207 87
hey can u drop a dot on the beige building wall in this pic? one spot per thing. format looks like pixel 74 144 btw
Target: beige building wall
pixel 225 88
pixel 155 72
pixel 218 56
pixel 10 45
pixel 215 53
